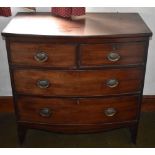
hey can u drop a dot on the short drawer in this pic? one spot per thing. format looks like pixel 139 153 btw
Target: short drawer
pixel 43 54
pixel 82 111
pixel 112 54
pixel 78 83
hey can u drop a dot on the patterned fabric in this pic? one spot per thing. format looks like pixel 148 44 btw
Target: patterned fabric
pixel 68 11
pixel 5 11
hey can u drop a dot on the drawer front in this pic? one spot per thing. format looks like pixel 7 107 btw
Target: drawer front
pixel 78 83
pixel 83 111
pixel 112 54
pixel 43 55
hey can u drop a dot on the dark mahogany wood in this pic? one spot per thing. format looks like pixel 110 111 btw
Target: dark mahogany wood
pixel 90 25
pixel 78 111
pixel 77 129
pixel 6 104
pixel 97 54
pixel 134 132
pixel 21 133
pixel 77 40
pixel 24 53
pixel 78 83
pixel 77 70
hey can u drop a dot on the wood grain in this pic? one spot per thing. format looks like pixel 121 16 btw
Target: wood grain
pixel 96 54
pixel 6 104
pixel 74 128
pixel 92 24
pixel 23 54
pixel 81 92
pixel 78 83
pixel 83 111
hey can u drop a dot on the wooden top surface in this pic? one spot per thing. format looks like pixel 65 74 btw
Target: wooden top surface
pixel 90 25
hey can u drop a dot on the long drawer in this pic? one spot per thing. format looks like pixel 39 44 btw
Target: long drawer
pixel 112 54
pixel 43 54
pixel 78 83
pixel 82 111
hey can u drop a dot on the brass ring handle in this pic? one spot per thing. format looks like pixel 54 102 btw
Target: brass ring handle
pixel 113 56
pixel 45 112
pixel 43 83
pixel 111 83
pixel 41 56
pixel 110 112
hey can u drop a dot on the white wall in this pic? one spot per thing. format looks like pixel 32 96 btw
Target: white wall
pixel 148 14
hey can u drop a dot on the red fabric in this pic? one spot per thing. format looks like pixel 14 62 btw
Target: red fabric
pixel 5 11
pixel 68 11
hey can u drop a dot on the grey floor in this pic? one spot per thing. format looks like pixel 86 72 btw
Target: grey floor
pixel 116 138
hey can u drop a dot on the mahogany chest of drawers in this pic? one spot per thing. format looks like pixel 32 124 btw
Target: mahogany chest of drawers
pixel 80 75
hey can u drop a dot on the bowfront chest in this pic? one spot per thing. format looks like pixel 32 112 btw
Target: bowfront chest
pixel 79 75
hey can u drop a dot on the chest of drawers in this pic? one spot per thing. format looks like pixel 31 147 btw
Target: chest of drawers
pixel 80 75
